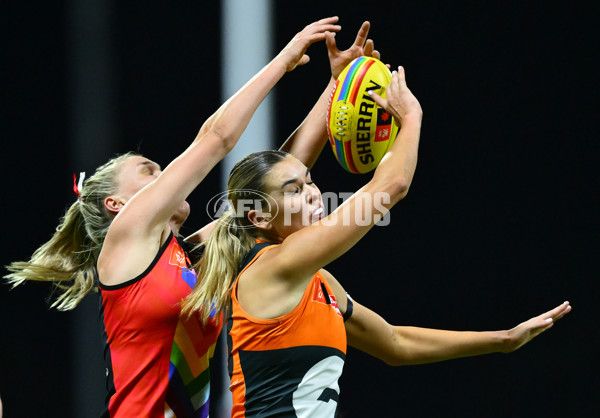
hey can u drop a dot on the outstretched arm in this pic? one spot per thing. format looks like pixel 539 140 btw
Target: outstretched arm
pixel 403 345
pixel 308 140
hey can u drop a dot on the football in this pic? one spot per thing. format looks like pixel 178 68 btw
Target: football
pixel 360 132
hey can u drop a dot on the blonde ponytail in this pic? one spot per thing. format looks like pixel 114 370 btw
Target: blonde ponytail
pixel 218 267
pixel 68 259
pixel 232 237
pixel 60 260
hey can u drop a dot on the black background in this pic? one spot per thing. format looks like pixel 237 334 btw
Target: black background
pixel 499 224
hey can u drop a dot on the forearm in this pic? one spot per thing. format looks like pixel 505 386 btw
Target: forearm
pixel 395 172
pixel 403 345
pixel 308 140
pixel 412 345
pixel 186 171
pixel 201 234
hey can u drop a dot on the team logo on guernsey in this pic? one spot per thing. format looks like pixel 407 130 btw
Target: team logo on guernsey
pixel 319 296
pixel 178 257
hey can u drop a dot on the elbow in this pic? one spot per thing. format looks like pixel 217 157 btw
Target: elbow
pixel 223 139
pixel 228 128
pixel 396 353
pixel 226 139
pixel 396 185
pixel 398 188
pixel 393 362
pixel 395 359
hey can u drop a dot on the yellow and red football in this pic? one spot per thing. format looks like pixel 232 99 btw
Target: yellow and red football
pixel 360 132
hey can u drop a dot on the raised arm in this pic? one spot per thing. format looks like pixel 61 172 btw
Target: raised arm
pixel 307 250
pixel 186 171
pixel 308 140
pixel 148 212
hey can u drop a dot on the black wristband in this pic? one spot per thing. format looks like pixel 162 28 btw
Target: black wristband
pixel 349 308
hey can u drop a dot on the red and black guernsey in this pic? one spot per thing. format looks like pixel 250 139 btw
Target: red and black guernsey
pixel 157 363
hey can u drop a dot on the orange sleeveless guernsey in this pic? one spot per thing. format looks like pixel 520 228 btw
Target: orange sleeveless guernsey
pixel 287 366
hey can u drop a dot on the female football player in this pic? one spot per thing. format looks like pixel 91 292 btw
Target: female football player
pixel 123 229
pixel 290 320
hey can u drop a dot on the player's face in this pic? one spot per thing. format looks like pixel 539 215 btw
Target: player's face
pixel 136 173
pixel 298 199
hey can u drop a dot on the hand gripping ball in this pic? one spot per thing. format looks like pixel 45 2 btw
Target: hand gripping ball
pixel 360 132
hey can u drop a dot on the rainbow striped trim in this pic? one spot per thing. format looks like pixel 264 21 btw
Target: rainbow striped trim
pixel 349 92
pixel 189 374
pixel 353 80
